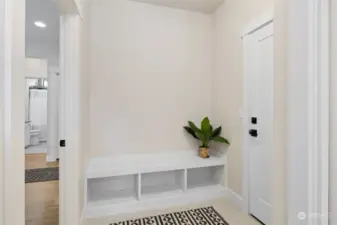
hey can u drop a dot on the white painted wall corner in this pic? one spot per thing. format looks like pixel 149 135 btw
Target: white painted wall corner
pixel 235 198
pixel 82 219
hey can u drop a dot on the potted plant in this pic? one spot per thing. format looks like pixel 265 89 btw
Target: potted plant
pixel 205 134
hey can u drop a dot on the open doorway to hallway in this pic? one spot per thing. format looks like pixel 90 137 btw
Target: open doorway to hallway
pixel 36 128
pixel 41 112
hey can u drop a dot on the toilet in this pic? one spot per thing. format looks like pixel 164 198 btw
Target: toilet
pixel 35 137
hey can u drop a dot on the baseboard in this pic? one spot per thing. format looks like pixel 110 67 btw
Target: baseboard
pixel 52 153
pixel 235 198
pixel 229 194
pixel 82 219
pixel 155 203
pixel 50 158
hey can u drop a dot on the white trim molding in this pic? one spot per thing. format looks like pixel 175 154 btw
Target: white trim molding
pixel 319 96
pixel 70 212
pixel 12 64
pixel 70 7
pixel 257 23
pixel 308 112
pixel 235 198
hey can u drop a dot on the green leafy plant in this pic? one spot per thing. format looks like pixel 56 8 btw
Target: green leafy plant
pixel 205 134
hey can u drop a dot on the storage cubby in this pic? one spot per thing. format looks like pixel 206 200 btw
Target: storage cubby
pixel 118 188
pixel 204 176
pixel 130 183
pixel 162 182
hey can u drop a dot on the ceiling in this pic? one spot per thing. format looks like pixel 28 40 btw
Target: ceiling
pixel 42 43
pixel 204 6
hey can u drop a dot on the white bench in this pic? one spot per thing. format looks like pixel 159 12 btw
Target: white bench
pixel 129 183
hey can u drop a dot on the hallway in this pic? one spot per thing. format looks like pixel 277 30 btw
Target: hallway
pixel 42 198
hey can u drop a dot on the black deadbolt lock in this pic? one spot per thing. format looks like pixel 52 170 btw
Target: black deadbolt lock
pixel 253 133
pixel 254 120
pixel 62 143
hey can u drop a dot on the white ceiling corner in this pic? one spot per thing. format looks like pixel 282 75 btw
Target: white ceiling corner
pixel 203 6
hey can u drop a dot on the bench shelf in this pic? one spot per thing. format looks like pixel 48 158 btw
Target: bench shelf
pixel 130 183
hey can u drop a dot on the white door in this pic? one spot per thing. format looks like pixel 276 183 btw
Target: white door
pixel 258 61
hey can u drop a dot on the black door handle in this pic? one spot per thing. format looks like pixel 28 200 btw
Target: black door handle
pixel 62 143
pixel 253 133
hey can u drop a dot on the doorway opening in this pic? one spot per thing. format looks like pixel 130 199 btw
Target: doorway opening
pixel 36 128
pixel 42 40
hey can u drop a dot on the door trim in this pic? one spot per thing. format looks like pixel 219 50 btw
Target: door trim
pixel 263 20
pixel 12 189
pixel 308 124
pixel 70 211
pixel 257 23
pixel 319 108
pixel 12 56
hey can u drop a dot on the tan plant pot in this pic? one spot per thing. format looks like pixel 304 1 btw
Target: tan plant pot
pixel 203 152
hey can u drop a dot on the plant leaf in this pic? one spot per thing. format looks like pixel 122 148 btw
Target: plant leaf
pixel 217 132
pixel 221 140
pixel 193 126
pixel 191 132
pixel 205 125
pixel 208 134
pixel 201 136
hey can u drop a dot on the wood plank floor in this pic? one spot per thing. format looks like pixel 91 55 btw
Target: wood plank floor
pixel 35 161
pixel 42 198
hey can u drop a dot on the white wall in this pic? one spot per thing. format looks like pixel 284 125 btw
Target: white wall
pixel 297 110
pixel 36 68
pixel 229 21
pixel 84 102
pixel 280 112
pixel 45 50
pixel 2 112
pixel 79 7
pixel 151 71
pixel 141 63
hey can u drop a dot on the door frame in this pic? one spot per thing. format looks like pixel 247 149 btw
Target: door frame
pixel 319 111
pixel 69 127
pixel 263 20
pixel 12 64
pixel 308 82
pixel 317 138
